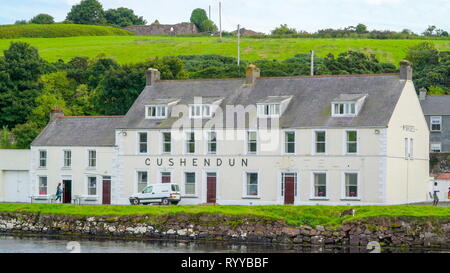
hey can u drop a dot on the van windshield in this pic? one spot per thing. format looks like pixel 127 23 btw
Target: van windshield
pixel 175 188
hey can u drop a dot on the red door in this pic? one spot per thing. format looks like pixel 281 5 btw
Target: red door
pixel 289 190
pixel 211 185
pixel 106 193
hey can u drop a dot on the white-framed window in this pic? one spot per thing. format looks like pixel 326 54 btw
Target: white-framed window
pixel 67 158
pixel 92 185
pixel 436 124
pixel 343 109
pixel 289 142
pixel 251 184
pixel 142 143
pixel 42 158
pixel 351 142
pixel 320 142
pixel 189 183
pixel 190 143
pixel 320 185
pixel 252 142
pixel 166 177
pixel 409 148
pixel 142 180
pixel 43 185
pixel 92 158
pixel 156 111
pixel 212 143
pixel 200 111
pixel 269 110
pixel 436 147
pixel 167 142
pixel 351 185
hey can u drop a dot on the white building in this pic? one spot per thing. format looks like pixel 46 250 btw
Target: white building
pixel 359 139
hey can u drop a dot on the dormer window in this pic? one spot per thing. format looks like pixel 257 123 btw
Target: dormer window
pixel 200 111
pixel 156 111
pixel 344 109
pixel 347 105
pixel 269 110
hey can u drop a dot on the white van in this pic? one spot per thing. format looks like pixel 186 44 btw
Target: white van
pixel 163 194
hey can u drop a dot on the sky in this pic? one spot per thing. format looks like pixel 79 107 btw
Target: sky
pixel 262 15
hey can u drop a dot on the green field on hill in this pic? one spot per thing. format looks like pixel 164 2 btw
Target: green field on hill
pixel 132 49
pixel 58 30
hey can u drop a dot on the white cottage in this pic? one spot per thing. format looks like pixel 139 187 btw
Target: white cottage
pixel 354 139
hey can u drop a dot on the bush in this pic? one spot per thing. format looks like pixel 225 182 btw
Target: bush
pixel 58 30
pixel 42 19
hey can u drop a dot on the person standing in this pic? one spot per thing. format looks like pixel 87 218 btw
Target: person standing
pixel 435 195
pixel 58 193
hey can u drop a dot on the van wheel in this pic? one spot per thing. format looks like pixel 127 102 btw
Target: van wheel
pixel 136 201
pixel 165 202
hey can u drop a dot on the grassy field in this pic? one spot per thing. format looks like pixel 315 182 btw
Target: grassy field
pixel 294 215
pixel 132 49
pixel 57 30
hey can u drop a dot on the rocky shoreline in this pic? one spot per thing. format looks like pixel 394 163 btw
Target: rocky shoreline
pixel 387 231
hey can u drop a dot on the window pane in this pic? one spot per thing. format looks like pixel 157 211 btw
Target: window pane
pixel 252 184
pixel 190 183
pixel 351 135
pixel 92 186
pixel 351 185
pixel 42 185
pixel 320 182
pixel 165 177
pixel 320 136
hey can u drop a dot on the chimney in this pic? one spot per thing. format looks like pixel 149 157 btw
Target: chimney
pixel 152 75
pixel 251 74
pixel 422 93
pixel 55 113
pixel 406 70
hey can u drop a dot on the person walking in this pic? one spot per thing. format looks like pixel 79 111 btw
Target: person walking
pixel 435 195
pixel 58 193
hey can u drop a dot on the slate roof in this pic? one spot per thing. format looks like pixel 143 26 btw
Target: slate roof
pixel 310 106
pixel 79 131
pixel 436 105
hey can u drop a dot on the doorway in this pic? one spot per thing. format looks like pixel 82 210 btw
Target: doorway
pixel 211 188
pixel 289 183
pixel 106 192
pixel 67 191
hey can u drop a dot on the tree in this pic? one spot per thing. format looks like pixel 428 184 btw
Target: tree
pixel 284 30
pixel 21 22
pixel 42 19
pixel 88 12
pixel 361 29
pixel 20 68
pixel 422 55
pixel 198 16
pixel 123 17
pixel 208 26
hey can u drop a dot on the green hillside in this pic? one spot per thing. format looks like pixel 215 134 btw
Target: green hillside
pixel 57 30
pixel 132 49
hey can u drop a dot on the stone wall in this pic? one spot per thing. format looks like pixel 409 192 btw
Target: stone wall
pixel 412 232
pixel 178 29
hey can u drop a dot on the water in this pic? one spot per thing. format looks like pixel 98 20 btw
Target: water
pixel 34 244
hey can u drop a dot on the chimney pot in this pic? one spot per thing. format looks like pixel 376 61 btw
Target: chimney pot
pixel 422 93
pixel 152 75
pixel 406 70
pixel 55 113
pixel 251 74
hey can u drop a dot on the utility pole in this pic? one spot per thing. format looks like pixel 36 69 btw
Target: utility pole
pixel 220 19
pixel 209 14
pixel 312 62
pixel 239 45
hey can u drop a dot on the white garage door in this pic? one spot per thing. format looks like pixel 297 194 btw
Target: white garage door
pixel 17 186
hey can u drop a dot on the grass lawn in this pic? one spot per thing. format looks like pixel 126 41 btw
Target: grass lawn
pixel 132 49
pixel 294 215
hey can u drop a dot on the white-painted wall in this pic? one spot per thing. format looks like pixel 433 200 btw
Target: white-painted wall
pixel 17 161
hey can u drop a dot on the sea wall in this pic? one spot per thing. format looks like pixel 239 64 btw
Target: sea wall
pixel 405 232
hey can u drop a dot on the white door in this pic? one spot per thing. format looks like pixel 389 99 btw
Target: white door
pixel 17 186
